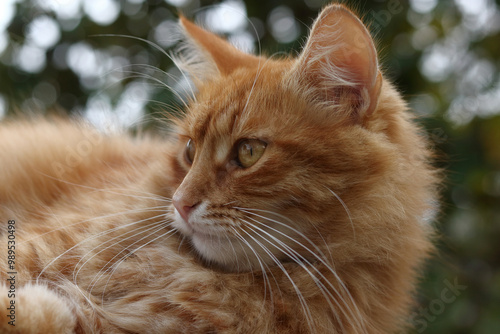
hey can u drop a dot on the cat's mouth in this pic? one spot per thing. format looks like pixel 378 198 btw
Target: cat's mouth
pixel 195 229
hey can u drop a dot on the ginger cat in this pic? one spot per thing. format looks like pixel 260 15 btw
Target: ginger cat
pixel 291 199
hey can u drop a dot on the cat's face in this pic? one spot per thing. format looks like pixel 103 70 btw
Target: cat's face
pixel 266 147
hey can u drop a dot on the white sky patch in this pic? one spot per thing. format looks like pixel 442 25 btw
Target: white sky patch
pixel 284 27
pixel 89 64
pixel 227 17
pixel 30 58
pixel 99 113
pixel 130 108
pixel 481 16
pixel 128 112
pixel 180 84
pixel 244 41
pixel 423 37
pixel 7 12
pixel 43 32
pixel 424 104
pixel 64 9
pixel 82 59
pixel 485 104
pixel 4 41
pixel 477 77
pixel 176 3
pixel 475 7
pixel 97 69
pixel 423 6
pixel 166 34
pixel 118 66
pixel 3 106
pixel 436 64
pixel 103 12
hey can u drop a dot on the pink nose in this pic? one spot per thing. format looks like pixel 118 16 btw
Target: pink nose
pixel 183 207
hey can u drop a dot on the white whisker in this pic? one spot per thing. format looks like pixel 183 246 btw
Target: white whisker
pixel 160 83
pixel 94 281
pixel 305 307
pixel 87 239
pixel 319 258
pixel 235 254
pixel 121 239
pixel 299 233
pixel 169 233
pixel 259 71
pixel 157 47
pixel 156 197
pixel 261 264
pixel 302 261
pixel 152 209
pixel 346 210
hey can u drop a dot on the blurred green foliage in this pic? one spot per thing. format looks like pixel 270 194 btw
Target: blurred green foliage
pixel 444 57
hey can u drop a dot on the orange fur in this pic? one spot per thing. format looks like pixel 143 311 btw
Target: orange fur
pixel 324 233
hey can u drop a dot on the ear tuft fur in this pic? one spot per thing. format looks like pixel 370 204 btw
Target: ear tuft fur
pixel 340 58
pixel 191 58
pixel 205 55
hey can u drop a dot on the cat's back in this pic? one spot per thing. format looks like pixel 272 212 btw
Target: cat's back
pixel 42 160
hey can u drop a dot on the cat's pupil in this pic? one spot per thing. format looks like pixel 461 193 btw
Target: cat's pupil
pixel 190 151
pixel 249 148
pixel 250 151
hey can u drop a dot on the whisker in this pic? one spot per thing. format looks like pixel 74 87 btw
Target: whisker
pixel 259 71
pixel 235 254
pixel 264 274
pixel 299 233
pixel 305 307
pixel 94 281
pixel 171 232
pixel 346 210
pixel 151 209
pixel 160 83
pixel 302 261
pixel 320 259
pixel 155 46
pixel 122 239
pixel 87 239
pixel 169 75
pixel 244 15
pixel 156 197
pixel 152 196
pixel 180 243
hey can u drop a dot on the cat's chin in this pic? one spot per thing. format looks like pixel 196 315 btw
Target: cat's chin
pixel 222 252
pixel 219 251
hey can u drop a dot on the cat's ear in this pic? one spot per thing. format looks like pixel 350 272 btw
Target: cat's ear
pixel 340 56
pixel 205 54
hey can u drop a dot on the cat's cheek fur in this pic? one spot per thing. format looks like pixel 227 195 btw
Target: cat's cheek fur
pixel 37 310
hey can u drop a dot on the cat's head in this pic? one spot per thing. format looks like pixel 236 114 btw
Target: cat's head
pixel 272 152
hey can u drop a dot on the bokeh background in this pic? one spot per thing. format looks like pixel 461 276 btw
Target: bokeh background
pixel 105 60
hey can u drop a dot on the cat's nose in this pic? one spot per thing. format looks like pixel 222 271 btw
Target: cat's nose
pixel 183 206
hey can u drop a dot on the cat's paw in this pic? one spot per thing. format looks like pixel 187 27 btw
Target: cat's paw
pixel 34 310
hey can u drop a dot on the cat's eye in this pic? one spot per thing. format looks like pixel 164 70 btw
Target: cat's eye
pixel 250 151
pixel 190 151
